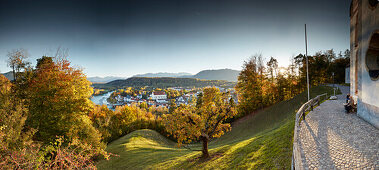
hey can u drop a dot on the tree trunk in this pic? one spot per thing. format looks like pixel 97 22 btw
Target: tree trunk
pixel 204 139
pixel 14 73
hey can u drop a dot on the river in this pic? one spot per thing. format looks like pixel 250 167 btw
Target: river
pixel 102 99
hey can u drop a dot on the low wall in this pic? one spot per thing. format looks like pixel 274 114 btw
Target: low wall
pixel 368 113
pixel 296 154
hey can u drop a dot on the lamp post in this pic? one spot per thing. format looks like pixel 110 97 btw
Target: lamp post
pixel 334 89
pixel 333 78
pixel 306 55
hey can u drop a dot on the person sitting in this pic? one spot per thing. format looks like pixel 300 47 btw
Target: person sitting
pixel 349 105
pixel 347 98
pixel 353 104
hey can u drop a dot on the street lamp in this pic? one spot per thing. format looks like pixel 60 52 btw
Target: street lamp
pixel 333 78
pixel 306 55
pixel 334 89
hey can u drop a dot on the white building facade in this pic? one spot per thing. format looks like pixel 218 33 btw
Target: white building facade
pixel 159 95
pixel 347 75
pixel 364 58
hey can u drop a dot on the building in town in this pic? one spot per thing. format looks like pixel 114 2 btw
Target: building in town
pixel 158 95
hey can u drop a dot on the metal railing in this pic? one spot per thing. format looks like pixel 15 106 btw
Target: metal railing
pixel 300 115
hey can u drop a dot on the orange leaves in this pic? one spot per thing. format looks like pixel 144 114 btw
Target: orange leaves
pixel 221 129
pixel 58 94
pixel 187 123
pixel 5 85
pixel 183 124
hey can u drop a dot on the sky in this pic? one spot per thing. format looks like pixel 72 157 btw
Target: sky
pixel 124 38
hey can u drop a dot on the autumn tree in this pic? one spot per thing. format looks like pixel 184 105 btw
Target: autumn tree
pixel 13 114
pixel 101 117
pixel 143 105
pixel 199 100
pixel 272 68
pixel 17 60
pixel 172 105
pixel 204 122
pixel 59 102
pixel 124 116
pixel 292 78
pixel 250 85
pixel 40 105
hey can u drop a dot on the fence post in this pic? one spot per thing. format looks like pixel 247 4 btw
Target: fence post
pixel 303 115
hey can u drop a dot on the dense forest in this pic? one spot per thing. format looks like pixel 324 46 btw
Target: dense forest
pixel 261 84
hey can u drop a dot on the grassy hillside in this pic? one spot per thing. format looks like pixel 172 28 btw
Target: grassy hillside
pixel 263 140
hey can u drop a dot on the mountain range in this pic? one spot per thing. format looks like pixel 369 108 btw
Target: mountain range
pixel 104 79
pixel 161 74
pixel 220 74
pixel 8 75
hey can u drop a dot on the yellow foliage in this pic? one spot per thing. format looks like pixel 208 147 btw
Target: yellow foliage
pixel 187 123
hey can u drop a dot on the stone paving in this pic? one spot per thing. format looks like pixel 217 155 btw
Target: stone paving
pixel 331 139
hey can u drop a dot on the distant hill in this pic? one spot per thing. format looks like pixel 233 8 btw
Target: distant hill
pixel 8 75
pixel 222 74
pixel 103 79
pixel 161 74
pixel 164 82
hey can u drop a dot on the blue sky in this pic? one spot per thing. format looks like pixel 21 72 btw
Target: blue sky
pixel 124 38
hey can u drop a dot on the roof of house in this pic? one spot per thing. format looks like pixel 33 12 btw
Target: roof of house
pixel 159 93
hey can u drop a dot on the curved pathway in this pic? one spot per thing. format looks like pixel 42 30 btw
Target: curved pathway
pixel 331 139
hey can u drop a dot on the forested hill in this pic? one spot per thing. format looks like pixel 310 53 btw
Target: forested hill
pixel 164 82
pixel 222 74
pixel 8 75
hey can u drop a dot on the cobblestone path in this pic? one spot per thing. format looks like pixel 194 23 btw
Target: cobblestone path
pixel 331 139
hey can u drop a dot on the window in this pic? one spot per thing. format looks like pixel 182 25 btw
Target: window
pixel 373 3
pixel 372 57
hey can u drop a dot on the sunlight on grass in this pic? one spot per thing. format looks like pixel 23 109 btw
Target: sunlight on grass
pixel 263 141
pixel 141 142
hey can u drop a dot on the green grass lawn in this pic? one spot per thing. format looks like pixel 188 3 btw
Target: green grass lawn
pixel 262 141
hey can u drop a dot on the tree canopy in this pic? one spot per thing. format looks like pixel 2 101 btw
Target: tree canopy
pixel 205 121
pixel 59 101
